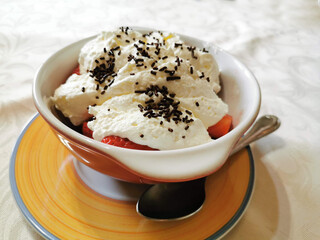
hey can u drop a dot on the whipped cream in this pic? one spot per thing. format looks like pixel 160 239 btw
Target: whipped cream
pixel 153 89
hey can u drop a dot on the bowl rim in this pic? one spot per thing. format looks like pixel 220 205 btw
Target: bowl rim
pixel 45 112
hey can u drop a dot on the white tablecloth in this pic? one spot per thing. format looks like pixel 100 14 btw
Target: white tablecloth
pixel 279 40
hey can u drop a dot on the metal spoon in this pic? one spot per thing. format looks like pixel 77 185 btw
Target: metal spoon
pixel 175 201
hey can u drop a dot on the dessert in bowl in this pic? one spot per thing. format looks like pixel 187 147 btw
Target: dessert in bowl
pixel 189 152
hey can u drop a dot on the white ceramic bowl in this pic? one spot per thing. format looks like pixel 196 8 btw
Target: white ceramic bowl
pixel 240 91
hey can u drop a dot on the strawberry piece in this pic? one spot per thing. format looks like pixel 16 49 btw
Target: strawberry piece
pixel 76 70
pixel 125 143
pixel 221 128
pixel 86 131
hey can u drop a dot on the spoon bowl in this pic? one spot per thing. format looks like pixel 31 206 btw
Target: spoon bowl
pixel 167 200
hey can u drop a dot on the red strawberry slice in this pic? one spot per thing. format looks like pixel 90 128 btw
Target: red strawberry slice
pixel 115 140
pixel 221 128
pixel 86 131
pixel 125 143
pixel 76 70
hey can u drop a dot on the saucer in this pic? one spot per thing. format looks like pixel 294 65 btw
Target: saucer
pixel 59 205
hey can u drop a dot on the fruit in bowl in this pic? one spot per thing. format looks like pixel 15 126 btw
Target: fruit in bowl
pixel 147 90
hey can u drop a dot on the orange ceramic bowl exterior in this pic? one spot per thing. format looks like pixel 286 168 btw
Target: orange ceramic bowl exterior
pixel 240 91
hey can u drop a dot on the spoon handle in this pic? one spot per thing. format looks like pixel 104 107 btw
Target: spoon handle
pixel 262 127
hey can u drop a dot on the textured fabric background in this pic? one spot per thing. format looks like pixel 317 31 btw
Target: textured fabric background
pixel 278 40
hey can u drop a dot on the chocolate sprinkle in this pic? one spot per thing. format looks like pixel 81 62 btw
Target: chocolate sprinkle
pixel 171 72
pixel 191 49
pixel 188 112
pixel 205 50
pixel 139 91
pixel 202 75
pixel 163 68
pixel 178 61
pixel 172 78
